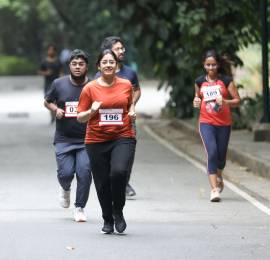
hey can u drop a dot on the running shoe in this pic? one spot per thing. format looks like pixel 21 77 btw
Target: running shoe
pixel 79 215
pixel 107 228
pixel 119 222
pixel 220 184
pixel 130 192
pixel 215 196
pixel 64 196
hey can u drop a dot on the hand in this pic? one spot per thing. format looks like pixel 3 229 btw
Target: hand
pixel 96 105
pixel 132 114
pixel 59 113
pixel 197 102
pixel 48 72
pixel 219 100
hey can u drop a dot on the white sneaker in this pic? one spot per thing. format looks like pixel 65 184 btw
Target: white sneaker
pixel 79 215
pixel 64 196
pixel 214 196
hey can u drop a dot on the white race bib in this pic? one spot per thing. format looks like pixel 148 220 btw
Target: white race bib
pixel 211 92
pixel 111 116
pixel 71 109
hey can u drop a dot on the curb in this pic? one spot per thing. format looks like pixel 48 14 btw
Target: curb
pixel 256 165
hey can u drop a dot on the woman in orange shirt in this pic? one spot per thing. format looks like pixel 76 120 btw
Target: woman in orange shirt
pixel 106 103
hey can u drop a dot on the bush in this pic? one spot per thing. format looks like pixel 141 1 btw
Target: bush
pixel 248 113
pixel 12 65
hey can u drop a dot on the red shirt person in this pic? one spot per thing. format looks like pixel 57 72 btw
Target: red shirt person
pixel 106 104
pixel 215 94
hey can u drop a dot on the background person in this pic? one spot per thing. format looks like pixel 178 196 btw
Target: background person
pixel 215 94
pixel 51 68
pixel 116 44
pixel 107 105
pixel 71 156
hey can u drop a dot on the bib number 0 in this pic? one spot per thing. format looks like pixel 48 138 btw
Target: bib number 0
pixel 71 109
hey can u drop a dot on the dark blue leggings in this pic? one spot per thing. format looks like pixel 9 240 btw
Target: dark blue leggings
pixel 215 140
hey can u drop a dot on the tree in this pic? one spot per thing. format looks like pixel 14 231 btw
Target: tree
pixel 176 33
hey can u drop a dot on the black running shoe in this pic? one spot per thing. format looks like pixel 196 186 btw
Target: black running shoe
pixel 119 222
pixel 107 228
pixel 130 192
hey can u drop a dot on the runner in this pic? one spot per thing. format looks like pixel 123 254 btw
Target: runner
pixel 215 94
pixel 71 156
pixel 51 69
pixel 116 44
pixel 107 105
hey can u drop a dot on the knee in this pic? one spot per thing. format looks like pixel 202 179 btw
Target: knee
pixel 119 173
pixel 84 176
pixel 65 173
pixel 212 156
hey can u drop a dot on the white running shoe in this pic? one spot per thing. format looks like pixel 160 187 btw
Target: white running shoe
pixel 214 196
pixel 79 215
pixel 64 196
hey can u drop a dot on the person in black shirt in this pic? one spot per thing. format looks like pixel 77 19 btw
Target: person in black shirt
pixel 51 69
pixel 62 99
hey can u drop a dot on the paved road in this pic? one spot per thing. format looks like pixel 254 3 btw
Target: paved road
pixel 171 217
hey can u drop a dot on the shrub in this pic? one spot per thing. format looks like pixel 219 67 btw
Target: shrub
pixel 12 65
pixel 248 113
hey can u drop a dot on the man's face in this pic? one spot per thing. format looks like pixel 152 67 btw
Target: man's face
pixel 78 68
pixel 51 51
pixel 119 51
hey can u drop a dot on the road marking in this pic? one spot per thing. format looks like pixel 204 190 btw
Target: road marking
pixel 200 166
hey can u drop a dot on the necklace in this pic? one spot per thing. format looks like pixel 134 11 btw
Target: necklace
pixel 211 80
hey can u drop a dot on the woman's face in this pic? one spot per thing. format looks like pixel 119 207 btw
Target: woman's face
pixel 107 65
pixel 210 66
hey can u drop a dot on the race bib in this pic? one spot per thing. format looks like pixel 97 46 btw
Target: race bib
pixel 71 109
pixel 211 93
pixel 110 116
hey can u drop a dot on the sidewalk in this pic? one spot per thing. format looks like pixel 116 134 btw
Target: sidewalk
pixel 248 162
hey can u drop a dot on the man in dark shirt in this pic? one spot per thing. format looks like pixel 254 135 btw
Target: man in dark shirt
pixel 116 44
pixel 62 99
pixel 51 69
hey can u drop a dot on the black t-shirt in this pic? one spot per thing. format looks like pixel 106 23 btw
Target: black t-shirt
pixel 201 79
pixel 55 68
pixel 66 96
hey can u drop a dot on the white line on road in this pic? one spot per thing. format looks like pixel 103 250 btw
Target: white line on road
pixel 200 166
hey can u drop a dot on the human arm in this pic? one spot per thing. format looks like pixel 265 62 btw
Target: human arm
pixel 197 100
pixel 59 112
pixel 235 98
pixel 84 116
pixel 136 94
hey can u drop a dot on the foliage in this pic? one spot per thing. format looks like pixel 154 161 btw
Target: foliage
pixel 30 24
pixel 166 38
pixel 176 33
pixel 249 111
pixel 13 65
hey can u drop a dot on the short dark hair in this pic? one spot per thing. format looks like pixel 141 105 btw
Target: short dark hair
pixel 76 54
pixel 103 53
pixel 108 42
pixel 51 45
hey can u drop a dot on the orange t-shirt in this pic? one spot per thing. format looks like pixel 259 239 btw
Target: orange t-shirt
pixel 111 120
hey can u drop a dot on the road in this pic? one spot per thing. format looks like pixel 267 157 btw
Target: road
pixel 170 219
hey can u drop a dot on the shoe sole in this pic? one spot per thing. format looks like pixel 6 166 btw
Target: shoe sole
pixel 106 233
pixel 215 200
pixel 80 220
